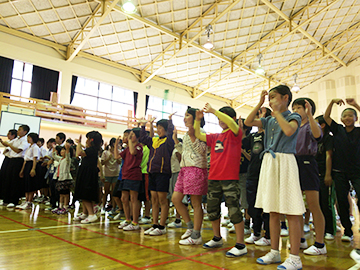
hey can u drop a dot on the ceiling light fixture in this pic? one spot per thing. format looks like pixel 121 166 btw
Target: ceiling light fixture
pixel 208 44
pixel 128 6
pixel 260 70
pixel 295 88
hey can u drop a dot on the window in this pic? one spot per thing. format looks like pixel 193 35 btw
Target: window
pixel 160 108
pixel 21 80
pixel 103 97
pixel 211 123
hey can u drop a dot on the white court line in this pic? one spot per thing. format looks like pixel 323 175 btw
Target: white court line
pixel 54 227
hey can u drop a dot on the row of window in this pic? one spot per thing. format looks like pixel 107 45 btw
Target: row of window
pixel 102 97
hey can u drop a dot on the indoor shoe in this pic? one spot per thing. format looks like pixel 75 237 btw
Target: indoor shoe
pixel 187 234
pixel 263 242
pixel 271 257
pixel 157 232
pixel 131 227
pixel 89 219
pixel 290 264
pixel 252 239
pixel 213 244
pixel 235 252
pixel 189 241
pixel 315 251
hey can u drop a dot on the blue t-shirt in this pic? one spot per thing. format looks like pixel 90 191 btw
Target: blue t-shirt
pixel 275 139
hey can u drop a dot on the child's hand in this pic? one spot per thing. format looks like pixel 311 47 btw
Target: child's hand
pixel 78 140
pixel 171 115
pixel 338 101
pixel 152 120
pixel 199 115
pixel 32 173
pixel 351 101
pixel 328 180
pixel 208 108
pixel 308 108
pixel 275 105
pixel 67 146
pixel 142 122
pixel 21 174
pixel 175 134
pixel 264 93
pixel 241 125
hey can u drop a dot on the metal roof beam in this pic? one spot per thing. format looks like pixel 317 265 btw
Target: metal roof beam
pixel 301 30
pixel 270 38
pixel 71 52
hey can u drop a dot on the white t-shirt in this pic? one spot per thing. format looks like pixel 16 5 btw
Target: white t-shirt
pixel 175 164
pixel 112 168
pixel 31 152
pixel 43 152
pixel 19 143
pixel 7 153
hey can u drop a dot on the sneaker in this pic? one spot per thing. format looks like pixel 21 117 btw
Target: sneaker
pixel 19 206
pixel 48 209
pixel 329 236
pixel 112 212
pixel 10 205
pixel 97 210
pixel 102 212
pixel 284 232
pixel 145 220
pixel 81 217
pixel 54 211
pixel 123 224
pixel 315 251
pixel 89 219
pixel 117 217
pixel 355 255
pixel 232 229
pixel 302 245
pixel 27 206
pixel 62 211
pixel 174 225
pixel 290 264
pixel 252 239
pixel 157 232
pixel 225 222
pixel 47 203
pixel 189 241
pixel 230 225
pixel 131 227
pixel 1 202
pixel 346 238
pixel 306 228
pixel 246 231
pixel 235 252
pixel 148 231
pixel 263 242
pixel 187 234
pixel 213 244
pixel 271 257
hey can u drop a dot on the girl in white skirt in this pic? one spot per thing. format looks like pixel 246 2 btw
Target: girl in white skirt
pixel 279 186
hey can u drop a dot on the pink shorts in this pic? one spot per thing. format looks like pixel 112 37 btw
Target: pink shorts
pixel 192 181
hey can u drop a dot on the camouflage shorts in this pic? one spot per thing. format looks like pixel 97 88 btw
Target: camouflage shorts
pixel 230 189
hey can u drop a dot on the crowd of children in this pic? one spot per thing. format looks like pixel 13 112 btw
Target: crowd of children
pixel 292 163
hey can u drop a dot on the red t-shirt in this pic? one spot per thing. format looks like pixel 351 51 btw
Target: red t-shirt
pixel 225 155
pixel 131 169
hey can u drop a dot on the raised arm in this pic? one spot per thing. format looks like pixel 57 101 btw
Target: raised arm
pixel 352 102
pixel 250 120
pixel 8 144
pixel 201 136
pixel 152 132
pixel 314 126
pixel 79 150
pixel 144 138
pixel 132 148
pixel 170 131
pixel 327 113
pixel 230 122
pixel 116 150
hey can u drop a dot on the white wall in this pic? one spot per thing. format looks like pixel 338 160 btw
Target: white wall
pixel 342 83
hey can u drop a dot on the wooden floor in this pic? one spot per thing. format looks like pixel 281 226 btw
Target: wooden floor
pixel 40 240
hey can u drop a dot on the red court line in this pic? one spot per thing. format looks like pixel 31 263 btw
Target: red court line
pixel 71 243
pixel 137 244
